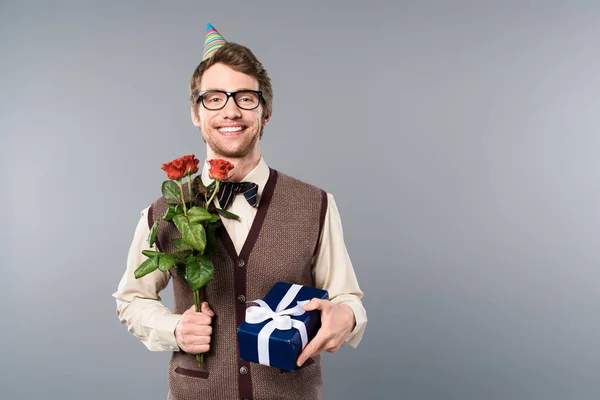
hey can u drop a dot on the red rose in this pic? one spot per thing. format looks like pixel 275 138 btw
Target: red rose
pixel 180 167
pixel 219 169
pixel 175 169
pixel 191 164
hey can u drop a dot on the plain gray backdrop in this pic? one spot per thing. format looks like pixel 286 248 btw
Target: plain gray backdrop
pixel 459 138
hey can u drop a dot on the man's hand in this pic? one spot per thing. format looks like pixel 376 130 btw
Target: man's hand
pixel 193 330
pixel 337 321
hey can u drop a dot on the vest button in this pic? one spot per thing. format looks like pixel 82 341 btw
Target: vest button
pixel 244 370
pixel 241 262
pixel 241 298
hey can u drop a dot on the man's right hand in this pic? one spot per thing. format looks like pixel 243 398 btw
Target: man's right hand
pixel 193 330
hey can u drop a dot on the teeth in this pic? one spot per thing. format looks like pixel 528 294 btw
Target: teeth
pixel 231 129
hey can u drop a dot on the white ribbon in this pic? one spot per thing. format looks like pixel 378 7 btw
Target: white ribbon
pixel 281 320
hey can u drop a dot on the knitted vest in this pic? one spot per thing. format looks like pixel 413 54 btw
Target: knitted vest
pixel 280 247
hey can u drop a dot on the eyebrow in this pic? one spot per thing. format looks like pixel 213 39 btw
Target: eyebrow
pixel 223 90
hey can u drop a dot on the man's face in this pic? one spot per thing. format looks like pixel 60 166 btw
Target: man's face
pixel 231 131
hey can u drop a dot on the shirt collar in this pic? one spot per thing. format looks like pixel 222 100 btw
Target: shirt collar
pixel 258 175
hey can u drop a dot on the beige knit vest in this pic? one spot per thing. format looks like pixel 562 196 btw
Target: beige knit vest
pixel 280 247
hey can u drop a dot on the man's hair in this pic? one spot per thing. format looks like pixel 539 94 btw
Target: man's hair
pixel 240 59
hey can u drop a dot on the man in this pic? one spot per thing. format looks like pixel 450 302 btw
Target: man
pixel 293 234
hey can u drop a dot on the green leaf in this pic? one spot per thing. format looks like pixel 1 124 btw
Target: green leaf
pixel 150 253
pixel 170 191
pixel 152 234
pixel 227 214
pixel 211 186
pixel 165 262
pixel 150 265
pixel 178 243
pixel 155 260
pixel 192 234
pixel 199 214
pixel 199 271
pixel 173 210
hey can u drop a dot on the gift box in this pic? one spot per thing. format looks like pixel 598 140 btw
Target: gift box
pixel 277 329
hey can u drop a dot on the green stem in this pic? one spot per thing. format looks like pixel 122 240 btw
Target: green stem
pixel 212 196
pixel 197 300
pixel 189 179
pixel 197 303
pixel 182 197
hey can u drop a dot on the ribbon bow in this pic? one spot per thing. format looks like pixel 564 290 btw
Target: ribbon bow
pixel 280 319
pixel 228 190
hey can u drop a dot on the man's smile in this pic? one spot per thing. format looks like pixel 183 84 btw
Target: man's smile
pixel 231 130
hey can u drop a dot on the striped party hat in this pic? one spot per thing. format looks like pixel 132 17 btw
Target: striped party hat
pixel 212 41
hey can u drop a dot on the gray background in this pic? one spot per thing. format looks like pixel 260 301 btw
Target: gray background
pixel 475 123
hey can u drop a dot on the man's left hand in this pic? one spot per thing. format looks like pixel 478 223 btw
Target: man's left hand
pixel 337 321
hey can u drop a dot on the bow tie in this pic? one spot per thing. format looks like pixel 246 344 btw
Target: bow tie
pixel 228 190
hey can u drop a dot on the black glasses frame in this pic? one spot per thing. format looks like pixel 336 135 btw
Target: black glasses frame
pixel 229 94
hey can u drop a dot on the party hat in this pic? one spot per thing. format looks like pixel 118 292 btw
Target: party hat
pixel 212 41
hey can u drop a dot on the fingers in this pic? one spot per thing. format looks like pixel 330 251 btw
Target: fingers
pixel 205 308
pixel 316 304
pixel 316 345
pixel 196 318
pixel 313 348
pixel 325 340
pixel 336 323
pixel 203 317
pixel 194 330
pixel 193 338
pixel 194 348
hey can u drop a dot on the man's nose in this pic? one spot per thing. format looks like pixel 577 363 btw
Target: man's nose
pixel 231 109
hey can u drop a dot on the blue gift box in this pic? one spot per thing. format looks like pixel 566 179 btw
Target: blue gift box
pixel 267 338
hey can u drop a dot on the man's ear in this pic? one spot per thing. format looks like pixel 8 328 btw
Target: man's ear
pixel 266 119
pixel 195 117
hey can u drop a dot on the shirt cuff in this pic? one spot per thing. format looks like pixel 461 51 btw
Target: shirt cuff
pixel 360 316
pixel 162 335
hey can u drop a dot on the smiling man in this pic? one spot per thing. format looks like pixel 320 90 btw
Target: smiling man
pixel 292 234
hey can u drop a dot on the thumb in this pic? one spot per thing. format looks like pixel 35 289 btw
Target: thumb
pixel 204 307
pixel 314 304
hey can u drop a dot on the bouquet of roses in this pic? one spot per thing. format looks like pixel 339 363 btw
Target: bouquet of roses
pixel 196 225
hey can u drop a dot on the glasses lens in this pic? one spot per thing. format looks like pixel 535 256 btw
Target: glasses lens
pixel 214 100
pixel 247 100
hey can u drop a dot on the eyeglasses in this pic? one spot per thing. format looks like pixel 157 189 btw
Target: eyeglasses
pixel 217 99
